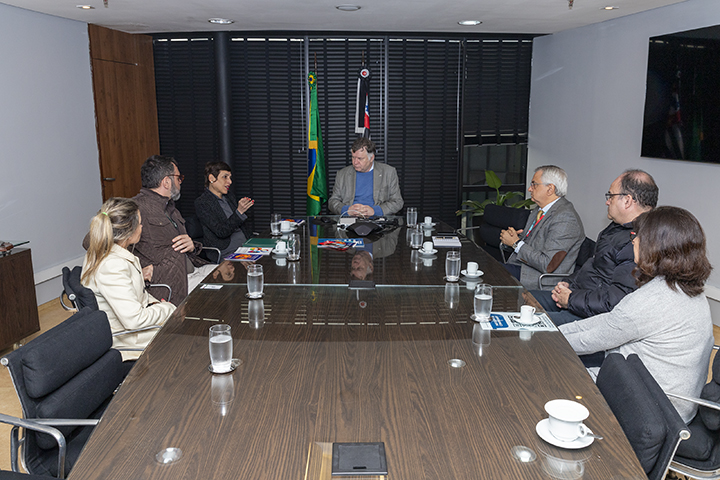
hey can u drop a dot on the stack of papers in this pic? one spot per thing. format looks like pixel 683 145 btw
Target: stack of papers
pixel 249 254
pixel 506 321
pixel 446 242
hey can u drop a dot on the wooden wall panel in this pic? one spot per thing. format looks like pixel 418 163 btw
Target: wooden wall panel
pixel 125 107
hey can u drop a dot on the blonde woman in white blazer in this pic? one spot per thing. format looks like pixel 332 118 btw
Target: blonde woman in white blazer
pixel 114 274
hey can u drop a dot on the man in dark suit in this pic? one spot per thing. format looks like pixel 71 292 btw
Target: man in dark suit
pixel 365 188
pixel 552 236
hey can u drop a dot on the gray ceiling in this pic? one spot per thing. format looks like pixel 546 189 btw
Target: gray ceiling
pixel 498 16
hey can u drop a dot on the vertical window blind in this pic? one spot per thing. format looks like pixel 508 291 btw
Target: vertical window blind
pixel 428 97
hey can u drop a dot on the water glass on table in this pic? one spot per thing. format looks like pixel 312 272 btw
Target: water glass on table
pixel 221 348
pixel 411 216
pixel 416 238
pixel 483 302
pixel 293 246
pixel 255 280
pixel 275 220
pixel 452 266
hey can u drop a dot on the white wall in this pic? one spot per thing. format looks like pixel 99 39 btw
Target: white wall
pixel 49 171
pixel 586 115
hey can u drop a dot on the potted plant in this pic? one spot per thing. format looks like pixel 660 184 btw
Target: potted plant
pixel 508 209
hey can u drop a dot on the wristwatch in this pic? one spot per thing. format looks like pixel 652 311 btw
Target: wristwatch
pixel 514 245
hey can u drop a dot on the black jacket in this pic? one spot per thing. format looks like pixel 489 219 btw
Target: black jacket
pixel 606 277
pixel 217 228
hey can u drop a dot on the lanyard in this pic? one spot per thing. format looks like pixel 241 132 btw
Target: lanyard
pixel 540 217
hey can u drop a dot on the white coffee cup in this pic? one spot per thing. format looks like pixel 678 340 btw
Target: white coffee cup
pixel 472 268
pixel 526 314
pixel 428 220
pixel 284 226
pixel 428 247
pixel 281 247
pixel 565 421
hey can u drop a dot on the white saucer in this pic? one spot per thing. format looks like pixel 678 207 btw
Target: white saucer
pixel 476 275
pixel 426 252
pixel 428 225
pixel 517 318
pixel 279 254
pixel 542 429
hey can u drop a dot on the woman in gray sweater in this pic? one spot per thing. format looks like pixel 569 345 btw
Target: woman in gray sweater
pixel 666 322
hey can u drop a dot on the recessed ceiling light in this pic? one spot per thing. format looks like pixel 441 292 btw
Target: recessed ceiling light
pixel 469 23
pixel 609 7
pixel 348 8
pixel 85 7
pixel 221 21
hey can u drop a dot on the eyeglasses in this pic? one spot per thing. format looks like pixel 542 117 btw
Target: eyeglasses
pixel 609 195
pixel 180 177
pixel 535 185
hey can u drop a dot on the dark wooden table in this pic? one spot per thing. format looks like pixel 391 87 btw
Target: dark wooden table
pixel 324 363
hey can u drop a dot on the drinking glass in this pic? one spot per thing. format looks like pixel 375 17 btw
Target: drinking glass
pixel 275 223
pixel 411 216
pixel 293 245
pixel 452 266
pixel 483 302
pixel 416 238
pixel 221 348
pixel 255 281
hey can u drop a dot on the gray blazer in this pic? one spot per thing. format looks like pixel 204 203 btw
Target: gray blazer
pixel 386 190
pixel 560 230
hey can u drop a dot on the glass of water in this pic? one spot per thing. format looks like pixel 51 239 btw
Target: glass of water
pixel 221 348
pixel 255 281
pixel 483 302
pixel 452 266
pixel 293 246
pixel 411 216
pixel 275 220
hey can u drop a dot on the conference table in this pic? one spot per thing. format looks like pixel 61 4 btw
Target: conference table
pixel 394 358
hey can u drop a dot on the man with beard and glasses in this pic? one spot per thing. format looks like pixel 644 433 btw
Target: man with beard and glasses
pixel 167 253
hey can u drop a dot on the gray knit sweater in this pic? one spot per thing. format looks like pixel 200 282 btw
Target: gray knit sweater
pixel 670 332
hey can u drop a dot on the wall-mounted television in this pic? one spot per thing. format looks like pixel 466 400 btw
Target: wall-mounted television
pixel 682 96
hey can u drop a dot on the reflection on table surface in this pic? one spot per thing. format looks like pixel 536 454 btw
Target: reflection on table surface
pixel 325 362
pixel 386 260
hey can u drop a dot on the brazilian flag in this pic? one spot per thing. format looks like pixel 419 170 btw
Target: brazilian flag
pixel 317 177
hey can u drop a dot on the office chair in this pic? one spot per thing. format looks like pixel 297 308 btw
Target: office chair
pixel 64 379
pixel 587 250
pixel 699 457
pixel 646 415
pixel 195 231
pixel 80 296
pixel 495 219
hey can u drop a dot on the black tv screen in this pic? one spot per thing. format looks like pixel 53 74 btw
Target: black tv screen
pixel 682 97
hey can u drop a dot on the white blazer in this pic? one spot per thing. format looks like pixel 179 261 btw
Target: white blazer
pixel 119 288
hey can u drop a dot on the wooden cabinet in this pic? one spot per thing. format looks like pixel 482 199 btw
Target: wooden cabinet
pixel 18 304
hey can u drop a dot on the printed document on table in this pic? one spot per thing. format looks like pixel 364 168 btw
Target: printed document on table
pixel 507 321
pixel 255 250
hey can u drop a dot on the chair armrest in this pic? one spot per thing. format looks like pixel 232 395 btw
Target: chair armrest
pixel 550 275
pixel 71 298
pixel 38 426
pixel 698 401
pixel 503 248
pixel 136 330
pixel 217 250
pixel 163 285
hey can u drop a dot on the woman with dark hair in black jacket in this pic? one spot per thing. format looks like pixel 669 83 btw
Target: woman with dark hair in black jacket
pixel 222 217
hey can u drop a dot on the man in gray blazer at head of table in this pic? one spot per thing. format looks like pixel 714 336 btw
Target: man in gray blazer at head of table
pixel 365 188
pixel 552 236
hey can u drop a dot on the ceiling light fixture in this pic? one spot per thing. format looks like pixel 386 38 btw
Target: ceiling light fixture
pixel 469 23
pixel 609 7
pixel 85 7
pixel 221 21
pixel 348 8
